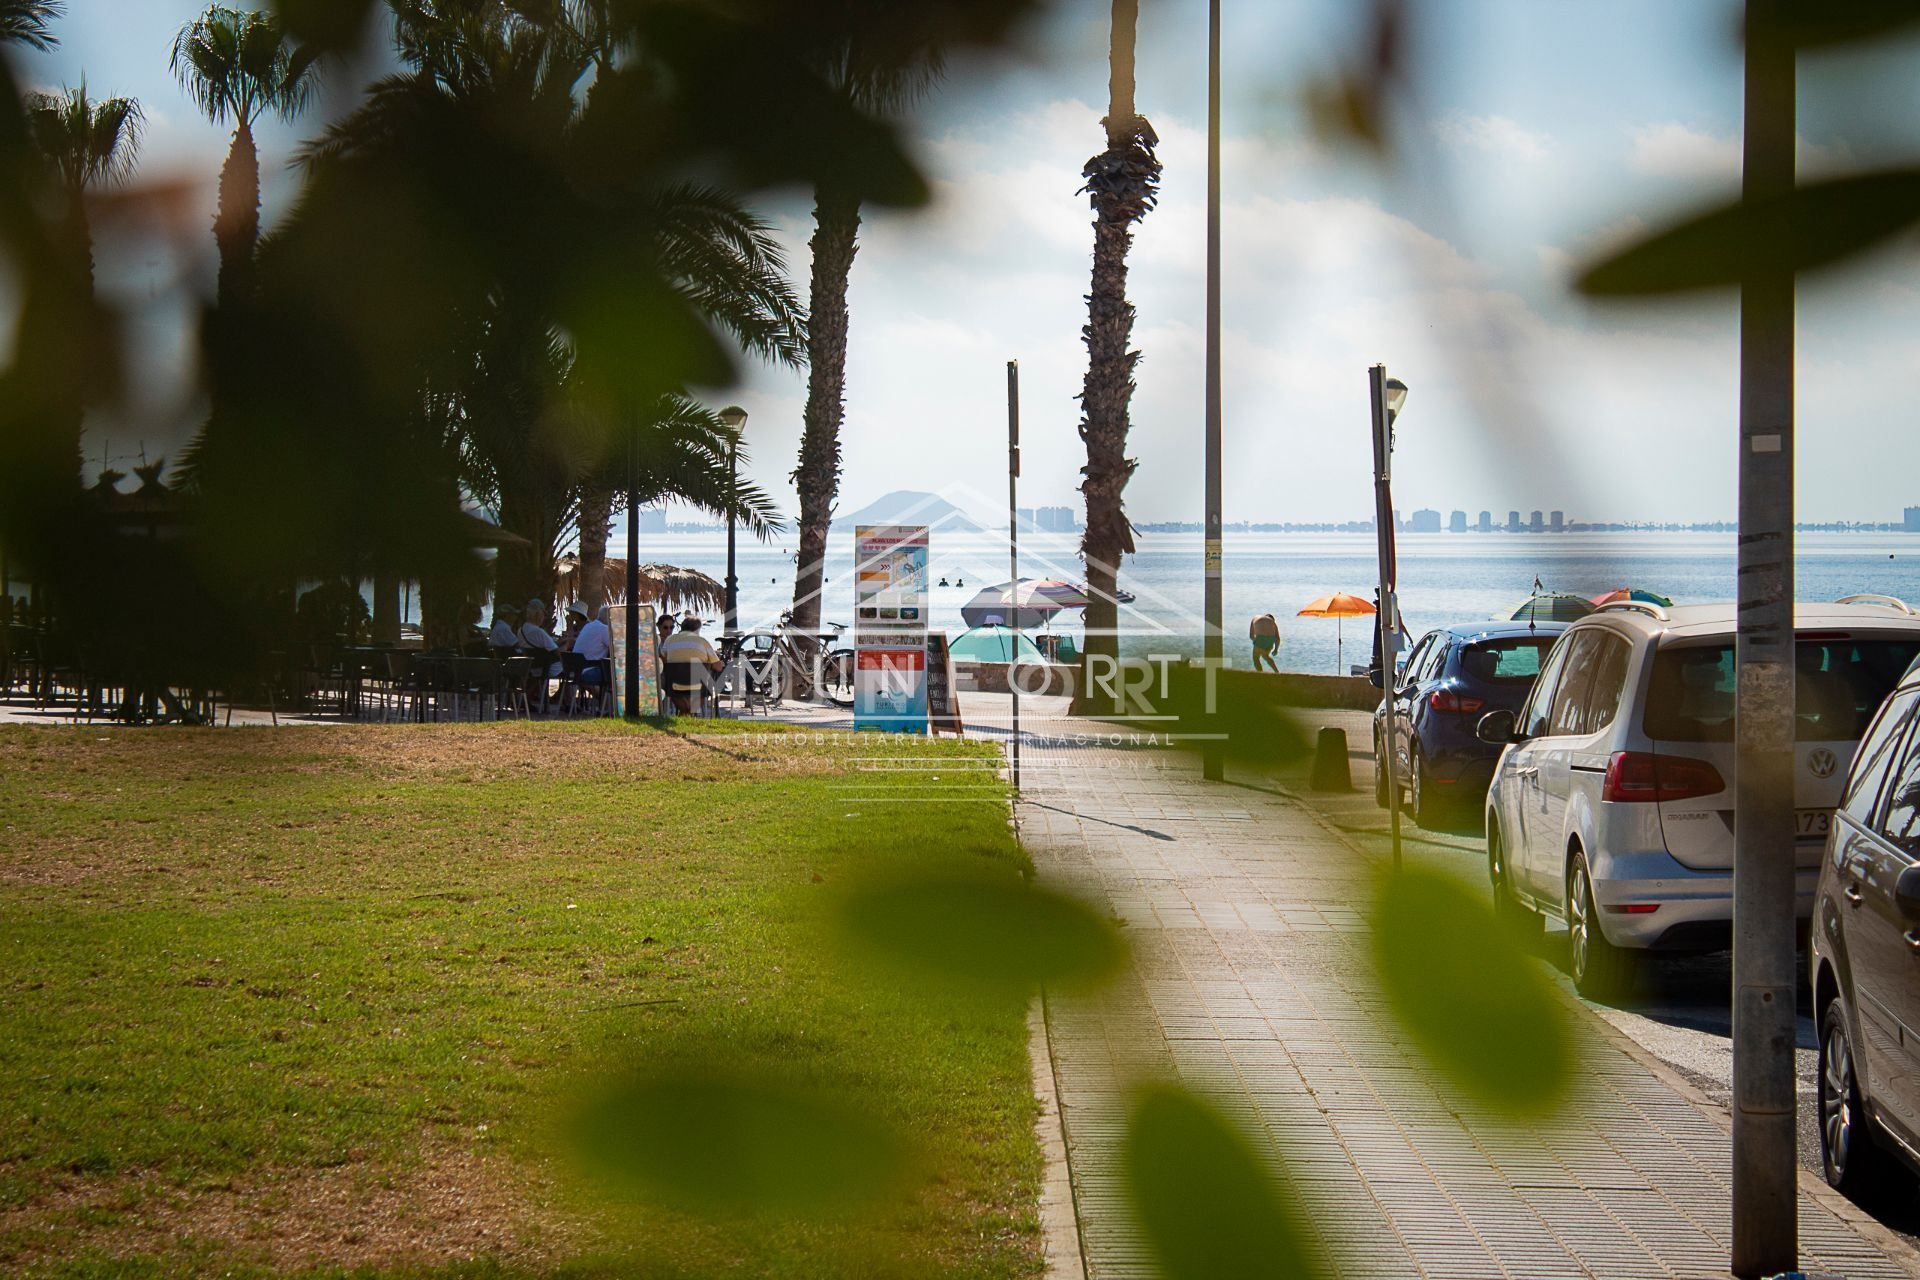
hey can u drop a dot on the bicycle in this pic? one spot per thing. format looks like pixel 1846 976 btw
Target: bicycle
pixel 772 665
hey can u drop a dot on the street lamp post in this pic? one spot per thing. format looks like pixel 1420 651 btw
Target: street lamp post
pixel 630 684
pixel 1387 395
pixel 1766 979
pixel 735 420
pixel 1213 643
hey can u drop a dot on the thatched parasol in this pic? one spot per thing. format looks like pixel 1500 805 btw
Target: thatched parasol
pixel 663 584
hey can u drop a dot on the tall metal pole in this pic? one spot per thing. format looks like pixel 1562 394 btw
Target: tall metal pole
pixel 1765 977
pixel 1388 619
pixel 1013 549
pixel 631 685
pixel 732 625
pixel 1212 763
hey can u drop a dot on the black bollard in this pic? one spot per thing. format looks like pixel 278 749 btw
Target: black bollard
pixel 1330 771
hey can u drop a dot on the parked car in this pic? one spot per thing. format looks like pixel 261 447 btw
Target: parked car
pixel 1451 678
pixel 1612 804
pixel 1864 953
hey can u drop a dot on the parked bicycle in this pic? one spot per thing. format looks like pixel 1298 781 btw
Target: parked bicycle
pixel 776 666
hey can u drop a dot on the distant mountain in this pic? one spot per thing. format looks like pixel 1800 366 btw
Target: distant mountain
pixel 906 506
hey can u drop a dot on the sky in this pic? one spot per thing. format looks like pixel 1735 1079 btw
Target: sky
pixel 1534 136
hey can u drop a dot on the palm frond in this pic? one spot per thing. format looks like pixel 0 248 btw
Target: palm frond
pixel 85 143
pixel 29 22
pixel 239 64
pixel 725 261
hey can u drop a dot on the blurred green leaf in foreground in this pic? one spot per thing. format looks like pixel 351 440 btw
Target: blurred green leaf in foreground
pixel 1207 1204
pixel 995 934
pixel 720 1146
pixel 1817 224
pixel 1477 1007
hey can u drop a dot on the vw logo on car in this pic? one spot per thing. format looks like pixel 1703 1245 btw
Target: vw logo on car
pixel 1821 762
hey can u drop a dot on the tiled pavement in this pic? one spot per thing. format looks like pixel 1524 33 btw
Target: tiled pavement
pixel 1250 982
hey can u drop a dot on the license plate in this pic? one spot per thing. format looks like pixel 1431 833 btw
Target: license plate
pixel 1812 822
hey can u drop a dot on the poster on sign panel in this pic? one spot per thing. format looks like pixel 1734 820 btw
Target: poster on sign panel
pixel 890 580
pixel 890 688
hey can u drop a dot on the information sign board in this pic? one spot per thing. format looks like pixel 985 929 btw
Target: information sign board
pixel 648 659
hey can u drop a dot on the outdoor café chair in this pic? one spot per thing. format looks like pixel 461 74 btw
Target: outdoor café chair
pixel 512 674
pixel 403 685
pixel 473 683
pixel 684 677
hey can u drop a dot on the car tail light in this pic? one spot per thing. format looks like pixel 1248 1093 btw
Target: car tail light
pixel 1642 777
pixel 1449 700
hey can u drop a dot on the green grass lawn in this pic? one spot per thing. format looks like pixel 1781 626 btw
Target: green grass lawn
pixel 315 1001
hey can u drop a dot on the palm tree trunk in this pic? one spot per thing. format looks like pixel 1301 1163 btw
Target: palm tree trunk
pixel 596 512
pixel 1121 184
pixel 817 478
pixel 236 227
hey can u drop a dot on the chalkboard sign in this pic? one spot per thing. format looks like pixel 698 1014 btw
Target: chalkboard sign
pixel 943 700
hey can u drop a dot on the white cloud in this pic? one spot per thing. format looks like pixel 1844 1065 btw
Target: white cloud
pixel 1498 135
pixel 1674 150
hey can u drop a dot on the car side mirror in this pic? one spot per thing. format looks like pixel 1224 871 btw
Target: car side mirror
pixel 1906 894
pixel 1498 728
pixel 1376 678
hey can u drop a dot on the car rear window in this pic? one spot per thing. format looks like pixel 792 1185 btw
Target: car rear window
pixel 1838 685
pixel 1515 661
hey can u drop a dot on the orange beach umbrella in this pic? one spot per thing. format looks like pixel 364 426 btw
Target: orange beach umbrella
pixel 1339 605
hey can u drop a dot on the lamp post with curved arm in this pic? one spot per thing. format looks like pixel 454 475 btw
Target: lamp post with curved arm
pixel 734 418
pixel 1387 395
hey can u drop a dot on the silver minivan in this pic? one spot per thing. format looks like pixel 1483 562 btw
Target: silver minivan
pixel 1612 804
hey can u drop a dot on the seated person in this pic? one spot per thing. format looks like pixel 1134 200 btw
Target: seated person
pixel 505 636
pixel 576 619
pixel 666 628
pixel 594 644
pixel 680 660
pixel 535 636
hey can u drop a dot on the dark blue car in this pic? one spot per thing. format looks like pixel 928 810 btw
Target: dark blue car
pixel 1452 677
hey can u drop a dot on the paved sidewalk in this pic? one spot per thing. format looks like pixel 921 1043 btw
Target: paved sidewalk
pixel 1250 982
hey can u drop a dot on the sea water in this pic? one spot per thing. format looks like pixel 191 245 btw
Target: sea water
pixel 1445 578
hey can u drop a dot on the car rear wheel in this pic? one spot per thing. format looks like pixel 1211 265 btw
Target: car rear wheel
pixel 1850 1153
pixel 1599 968
pixel 1380 796
pixel 1506 908
pixel 1427 807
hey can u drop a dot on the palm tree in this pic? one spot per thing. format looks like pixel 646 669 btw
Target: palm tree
pixel 239 65
pixel 492 106
pixel 80 144
pixel 27 22
pixel 83 144
pixel 1122 183
pixel 884 79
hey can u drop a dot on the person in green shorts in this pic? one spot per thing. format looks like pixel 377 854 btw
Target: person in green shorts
pixel 1264 631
